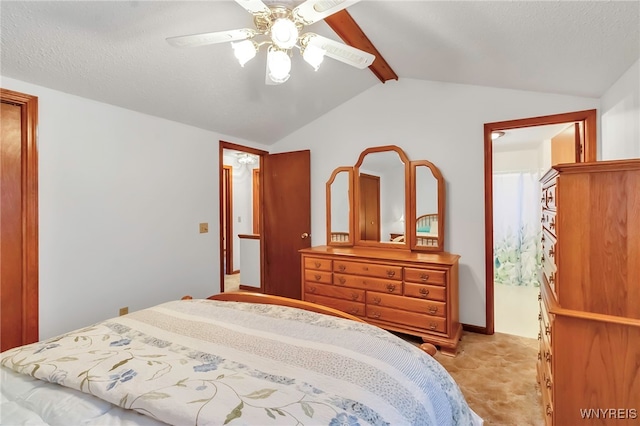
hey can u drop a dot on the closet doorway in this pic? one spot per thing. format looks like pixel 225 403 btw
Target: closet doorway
pixel 517 154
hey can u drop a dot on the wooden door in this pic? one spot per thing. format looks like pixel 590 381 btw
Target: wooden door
pixel 18 220
pixel 566 146
pixel 369 207
pixel 286 220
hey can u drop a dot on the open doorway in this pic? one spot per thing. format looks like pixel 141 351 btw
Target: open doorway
pixel 512 205
pixel 240 217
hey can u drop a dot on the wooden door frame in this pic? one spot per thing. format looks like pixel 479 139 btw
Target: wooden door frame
pixel 588 117
pixel 226 222
pixel 29 110
pixel 233 146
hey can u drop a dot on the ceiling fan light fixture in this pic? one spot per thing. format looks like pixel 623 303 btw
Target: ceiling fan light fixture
pixel 313 55
pixel 284 33
pixel 278 65
pixel 244 51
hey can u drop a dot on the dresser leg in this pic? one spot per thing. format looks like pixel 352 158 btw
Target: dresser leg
pixel 429 348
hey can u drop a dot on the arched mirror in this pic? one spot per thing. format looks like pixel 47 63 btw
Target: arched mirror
pixel 339 202
pixel 381 178
pixel 428 193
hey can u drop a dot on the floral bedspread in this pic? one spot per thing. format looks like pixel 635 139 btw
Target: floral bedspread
pixel 208 362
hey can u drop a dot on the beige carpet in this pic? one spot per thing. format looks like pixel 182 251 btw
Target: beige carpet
pixel 497 375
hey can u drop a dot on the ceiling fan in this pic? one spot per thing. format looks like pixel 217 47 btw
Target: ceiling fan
pixel 280 29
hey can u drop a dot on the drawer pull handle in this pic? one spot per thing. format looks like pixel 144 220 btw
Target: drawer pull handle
pixel 433 310
pixel 354 296
pixel 312 289
pixel 317 264
pixel 539 336
pixel 539 356
pixel 424 277
pixel 542 200
pixel 543 239
pixel 547 330
pixel 552 279
pixel 376 300
pixel 552 252
pixel 391 273
pixel 542 219
pixel 547 383
pixel 354 311
pixel 547 356
pixel 542 260
pixel 342 280
pixel 424 292
pixel 433 326
pixel 317 277
pixel 549 410
pixel 540 316
pixel 341 268
pixel 550 197
pixel 391 287
pixel 375 314
pixel 552 225
pixel 539 297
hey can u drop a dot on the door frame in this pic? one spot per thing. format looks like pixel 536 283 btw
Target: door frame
pixel 230 145
pixel 29 110
pixel 588 117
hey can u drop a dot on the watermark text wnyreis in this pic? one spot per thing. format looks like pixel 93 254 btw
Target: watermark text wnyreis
pixel 609 413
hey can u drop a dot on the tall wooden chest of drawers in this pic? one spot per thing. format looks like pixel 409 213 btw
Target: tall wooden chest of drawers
pixel 589 358
pixel 409 292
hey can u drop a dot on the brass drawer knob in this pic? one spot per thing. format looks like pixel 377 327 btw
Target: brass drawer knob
pixel 552 278
pixel 341 268
pixel 547 383
pixel 433 326
pixel 552 225
pixel 539 296
pixel 539 336
pixel 432 310
pixel 377 300
pixel 354 296
pixel 424 292
pixel 312 289
pixel 375 314
pixel 547 330
pixel 391 273
pixel 551 252
pixel 539 316
pixel 342 280
pixel 549 410
pixel 317 264
pixel 550 197
pixel 539 356
pixel 424 277
pixel 317 277
pixel 391 287
pixel 547 356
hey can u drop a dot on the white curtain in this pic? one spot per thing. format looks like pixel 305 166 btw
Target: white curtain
pixel 517 248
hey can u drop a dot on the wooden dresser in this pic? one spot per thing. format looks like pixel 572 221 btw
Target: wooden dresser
pixel 589 358
pixel 409 292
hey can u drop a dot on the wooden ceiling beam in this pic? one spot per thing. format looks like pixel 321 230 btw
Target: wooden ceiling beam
pixel 351 33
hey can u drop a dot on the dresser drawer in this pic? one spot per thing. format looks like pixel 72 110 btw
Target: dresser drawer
pixel 428 307
pixel 548 220
pixel 548 253
pixel 369 269
pixel 425 276
pixel 367 283
pixel 351 294
pixel 430 292
pixel 318 263
pixel 549 197
pixel 413 319
pixel 353 308
pixel 318 276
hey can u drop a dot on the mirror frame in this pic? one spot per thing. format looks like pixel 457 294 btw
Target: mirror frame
pixel 349 241
pixel 407 195
pixel 413 238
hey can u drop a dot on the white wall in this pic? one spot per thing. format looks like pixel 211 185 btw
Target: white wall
pixel 442 123
pixel 621 117
pixel 120 198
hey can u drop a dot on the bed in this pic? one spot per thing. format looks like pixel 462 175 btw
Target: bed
pixel 235 358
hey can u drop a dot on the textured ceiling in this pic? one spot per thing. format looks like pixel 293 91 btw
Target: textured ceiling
pixel 115 52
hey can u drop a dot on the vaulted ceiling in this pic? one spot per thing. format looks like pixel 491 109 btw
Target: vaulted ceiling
pixel 115 52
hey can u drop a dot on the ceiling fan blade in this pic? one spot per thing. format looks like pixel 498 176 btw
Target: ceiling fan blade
pixel 210 38
pixel 314 10
pixel 342 52
pixel 254 7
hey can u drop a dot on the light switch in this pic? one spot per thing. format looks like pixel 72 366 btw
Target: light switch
pixel 204 228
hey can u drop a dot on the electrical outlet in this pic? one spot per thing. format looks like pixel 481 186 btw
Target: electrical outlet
pixel 204 228
pixel 124 311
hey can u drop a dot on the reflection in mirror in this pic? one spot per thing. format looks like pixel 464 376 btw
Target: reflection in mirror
pixel 426 207
pixel 339 196
pixel 381 179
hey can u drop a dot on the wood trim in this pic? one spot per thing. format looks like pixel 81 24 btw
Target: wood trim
pixel 30 261
pixel 474 329
pixel 221 147
pixel 350 32
pixel 227 173
pixel 588 117
pixel 249 236
pixel 411 214
pixel 255 176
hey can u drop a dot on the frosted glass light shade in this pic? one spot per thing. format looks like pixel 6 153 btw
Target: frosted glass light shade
pixel 284 33
pixel 244 51
pixel 313 55
pixel 278 64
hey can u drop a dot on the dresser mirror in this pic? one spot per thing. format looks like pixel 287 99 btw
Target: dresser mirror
pixel 428 191
pixel 339 202
pixel 384 198
pixel 381 201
